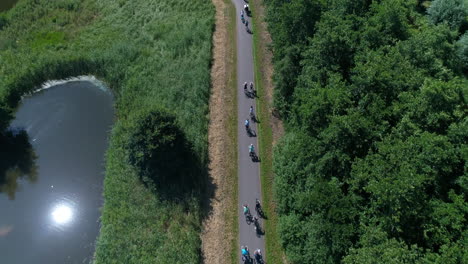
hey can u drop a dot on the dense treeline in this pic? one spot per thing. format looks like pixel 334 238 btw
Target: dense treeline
pixel 155 56
pixel 373 166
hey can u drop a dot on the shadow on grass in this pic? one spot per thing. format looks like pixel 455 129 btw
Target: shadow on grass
pixel 166 159
pixel 17 161
pixel 168 164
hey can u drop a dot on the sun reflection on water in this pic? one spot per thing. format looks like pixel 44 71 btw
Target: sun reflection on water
pixel 62 214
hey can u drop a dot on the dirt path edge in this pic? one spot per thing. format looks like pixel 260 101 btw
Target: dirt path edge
pixel 219 233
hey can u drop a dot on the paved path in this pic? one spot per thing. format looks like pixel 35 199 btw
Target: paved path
pixel 249 171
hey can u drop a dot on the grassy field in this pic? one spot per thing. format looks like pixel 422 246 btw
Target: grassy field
pixel 274 252
pixel 154 55
pixel 232 83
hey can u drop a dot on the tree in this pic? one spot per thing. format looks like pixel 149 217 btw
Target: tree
pixel 436 105
pixel 462 51
pixel 387 23
pixel 332 48
pixel 453 12
pixel 287 69
pixel 375 247
pixel 398 179
pixel 384 72
pixel 431 50
pixel 314 105
pixel 160 152
pixel 447 221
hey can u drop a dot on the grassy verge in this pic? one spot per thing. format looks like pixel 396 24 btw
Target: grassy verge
pixel 153 55
pixel 274 252
pixel 230 11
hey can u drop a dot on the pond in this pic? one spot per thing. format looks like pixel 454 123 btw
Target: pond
pixel 53 216
pixel 7 4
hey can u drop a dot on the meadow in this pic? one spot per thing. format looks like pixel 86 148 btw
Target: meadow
pixel 155 56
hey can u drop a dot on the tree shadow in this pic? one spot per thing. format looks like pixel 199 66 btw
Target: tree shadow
pixel 167 161
pixel 168 164
pixel 17 161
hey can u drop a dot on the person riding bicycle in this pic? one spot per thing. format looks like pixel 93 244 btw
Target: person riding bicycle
pixel 258 255
pixel 251 86
pixel 251 149
pixel 246 123
pixel 251 110
pixel 245 253
pixel 258 206
pixel 245 86
pixel 246 209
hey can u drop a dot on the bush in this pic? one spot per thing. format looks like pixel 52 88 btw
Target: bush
pixel 161 154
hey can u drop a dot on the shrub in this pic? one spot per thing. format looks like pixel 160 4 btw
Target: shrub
pixel 160 152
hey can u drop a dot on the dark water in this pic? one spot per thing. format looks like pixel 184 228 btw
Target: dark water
pixel 7 4
pixel 54 219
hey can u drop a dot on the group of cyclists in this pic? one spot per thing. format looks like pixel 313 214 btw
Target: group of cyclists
pixel 246 255
pixel 247 121
pixel 244 249
pixel 250 92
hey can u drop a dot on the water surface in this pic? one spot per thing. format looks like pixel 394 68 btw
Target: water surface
pixel 54 219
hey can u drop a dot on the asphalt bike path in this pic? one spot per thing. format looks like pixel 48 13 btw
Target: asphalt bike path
pixel 248 170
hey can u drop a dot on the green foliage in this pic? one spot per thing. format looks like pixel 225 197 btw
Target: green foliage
pixel 373 166
pixel 332 48
pixel 375 247
pixel 401 177
pixel 388 22
pixel 436 105
pixel 462 51
pixel 153 55
pixel 161 154
pixel 317 105
pixel 48 39
pixel 452 12
pixel 3 21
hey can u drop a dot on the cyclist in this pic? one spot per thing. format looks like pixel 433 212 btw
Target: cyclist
pixel 258 256
pixel 245 253
pixel 258 206
pixel 246 209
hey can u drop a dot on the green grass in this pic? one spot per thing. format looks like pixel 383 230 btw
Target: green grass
pixel 230 11
pixel 153 55
pixel 273 251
